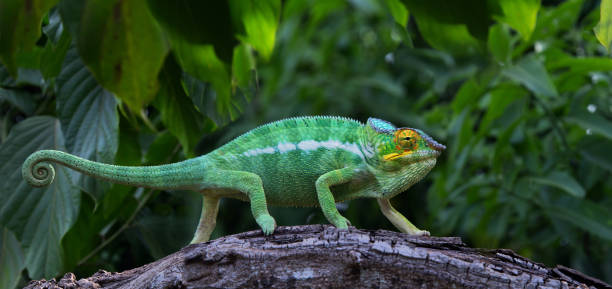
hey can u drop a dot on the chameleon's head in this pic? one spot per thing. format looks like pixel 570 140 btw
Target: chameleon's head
pixel 389 148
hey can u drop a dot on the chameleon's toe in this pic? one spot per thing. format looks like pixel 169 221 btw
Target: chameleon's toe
pixel 341 222
pixel 267 224
pixel 420 233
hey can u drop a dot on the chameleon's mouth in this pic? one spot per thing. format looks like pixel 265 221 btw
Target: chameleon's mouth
pixel 416 156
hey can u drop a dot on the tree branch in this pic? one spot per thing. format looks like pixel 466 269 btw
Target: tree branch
pixel 325 257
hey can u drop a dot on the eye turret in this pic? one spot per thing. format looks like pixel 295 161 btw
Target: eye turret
pixel 406 139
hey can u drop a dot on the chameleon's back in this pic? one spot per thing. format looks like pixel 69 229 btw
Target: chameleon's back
pixel 289 155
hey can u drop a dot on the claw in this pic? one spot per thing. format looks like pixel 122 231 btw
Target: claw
pixel 267 224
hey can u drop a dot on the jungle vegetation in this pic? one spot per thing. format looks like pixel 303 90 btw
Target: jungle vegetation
pixel 518 90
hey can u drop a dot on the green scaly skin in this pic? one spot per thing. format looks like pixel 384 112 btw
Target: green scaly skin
pixel 305 161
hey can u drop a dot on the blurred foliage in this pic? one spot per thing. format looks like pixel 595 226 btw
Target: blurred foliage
pixel 519 91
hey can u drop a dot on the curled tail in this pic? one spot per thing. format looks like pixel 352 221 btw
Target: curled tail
pixel 189 174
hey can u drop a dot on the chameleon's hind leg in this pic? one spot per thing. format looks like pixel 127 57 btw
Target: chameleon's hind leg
pixel 208 219
pixel 252 186
pixel 398 220
pixel 326 198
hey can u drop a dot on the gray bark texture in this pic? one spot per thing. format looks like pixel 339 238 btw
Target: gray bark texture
pixel 318 256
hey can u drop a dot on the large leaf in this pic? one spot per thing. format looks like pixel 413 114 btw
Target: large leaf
pixel 260 20
pixel 11 259
pixel 177 110
pixel 20 28
pixel 530 72
pixel 603 30
pixel 563 181
pixel 201 62
pixel 128 49
pixel 199 22
pixel 89 119
pixel 520 15
pixel 22 99
pixel 39 217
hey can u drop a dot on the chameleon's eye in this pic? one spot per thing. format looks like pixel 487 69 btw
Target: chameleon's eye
pixel 406 139
pixel 408 143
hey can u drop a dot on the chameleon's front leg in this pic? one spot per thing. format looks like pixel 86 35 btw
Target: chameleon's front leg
pixel 398 220
pixel 208 219
pixel 326 199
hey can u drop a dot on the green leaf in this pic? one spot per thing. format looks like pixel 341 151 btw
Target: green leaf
pixel 475 15
pixel 260 20
pixel 454 38
pixel 11 259
pixel 593 122
pixel 586 215
pixel 398 11
pixel 468 94
pixel 55 50
pixel 178 113
pixel 521 15
pixel 530 72
pixel 39 217
pixel 161 150
pixel 499 43
pixel 203 64
pixel 598 152
pixel 555 19
pixel 583 65
pixel 563 181
pixel 89 119
pixel 128 49
pixel 501 97
pixel 22 99
pixel 20 23
pixel 243 65
pixel 211 24
pixel 85 234
pixel 603 30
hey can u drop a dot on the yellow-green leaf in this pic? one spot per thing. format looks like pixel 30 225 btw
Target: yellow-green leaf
pixel 260 20
pixel 521 15
pixel 243 64
pixel 603 30
pixel 398 11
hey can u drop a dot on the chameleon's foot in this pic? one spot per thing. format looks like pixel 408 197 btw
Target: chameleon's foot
pixel 419 233
pixel 341 222
pixel 267 224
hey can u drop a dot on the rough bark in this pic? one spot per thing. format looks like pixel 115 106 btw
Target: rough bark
pixel 318 256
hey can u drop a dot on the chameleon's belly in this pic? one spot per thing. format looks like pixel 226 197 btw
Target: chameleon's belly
pixel 289 178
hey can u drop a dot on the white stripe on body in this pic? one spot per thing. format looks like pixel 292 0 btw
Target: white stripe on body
pixel 306 145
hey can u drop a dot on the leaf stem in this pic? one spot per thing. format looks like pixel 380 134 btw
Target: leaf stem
pixel 125 225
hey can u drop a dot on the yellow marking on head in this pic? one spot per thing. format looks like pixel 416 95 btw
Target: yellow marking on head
pixel 393 156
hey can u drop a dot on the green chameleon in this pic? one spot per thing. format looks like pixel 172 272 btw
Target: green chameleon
pixel 303 161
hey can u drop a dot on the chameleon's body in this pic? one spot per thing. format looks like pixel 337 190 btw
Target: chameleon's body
pixel 308 161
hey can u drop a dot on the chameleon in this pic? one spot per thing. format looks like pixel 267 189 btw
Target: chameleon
pixel 296 162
